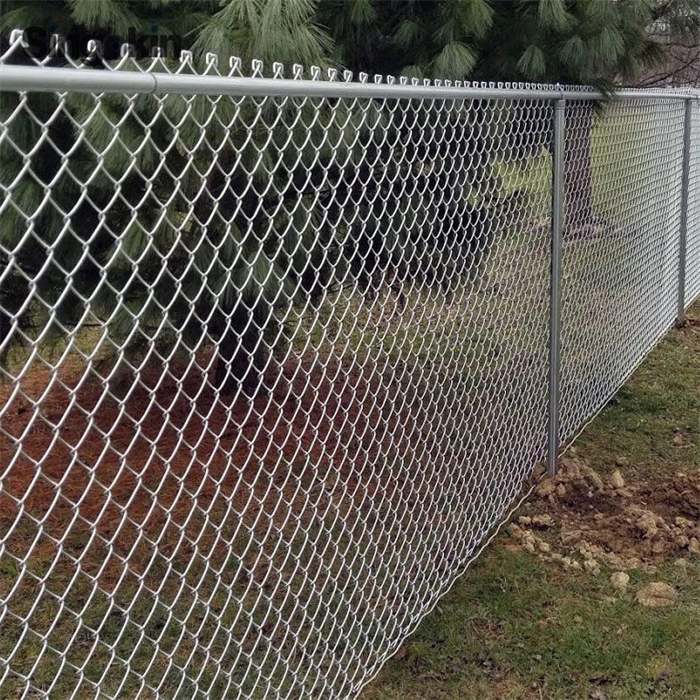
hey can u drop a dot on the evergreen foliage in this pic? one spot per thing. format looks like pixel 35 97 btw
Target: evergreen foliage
pixel 184 250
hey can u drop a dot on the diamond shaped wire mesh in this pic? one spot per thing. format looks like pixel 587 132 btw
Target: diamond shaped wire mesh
pixel 692 267
pixel 621 245
pixel 274 367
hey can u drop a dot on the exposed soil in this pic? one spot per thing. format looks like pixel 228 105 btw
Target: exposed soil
pixel 170 462
pixel 581 519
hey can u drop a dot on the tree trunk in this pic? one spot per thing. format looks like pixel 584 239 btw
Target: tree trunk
pixel 239 365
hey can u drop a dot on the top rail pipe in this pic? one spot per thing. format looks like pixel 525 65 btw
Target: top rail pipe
pixel 43 79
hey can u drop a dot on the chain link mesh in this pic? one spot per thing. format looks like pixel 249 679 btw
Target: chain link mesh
pixel 622 195
pixel 274 367
pixel 692 266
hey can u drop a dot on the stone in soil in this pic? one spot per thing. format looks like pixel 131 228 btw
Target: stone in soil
pixel 616 480
pixel 620 580
pixel 657 594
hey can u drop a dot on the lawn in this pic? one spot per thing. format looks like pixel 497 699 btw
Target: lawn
pixel 537 615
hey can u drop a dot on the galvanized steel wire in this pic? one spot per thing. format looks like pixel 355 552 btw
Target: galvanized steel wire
pixel 275 353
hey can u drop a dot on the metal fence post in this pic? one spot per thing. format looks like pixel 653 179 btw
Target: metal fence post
pixel 555 283
pixel 683 244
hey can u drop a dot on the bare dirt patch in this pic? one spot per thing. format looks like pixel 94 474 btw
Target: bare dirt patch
pixel 170 462
pixel 582 519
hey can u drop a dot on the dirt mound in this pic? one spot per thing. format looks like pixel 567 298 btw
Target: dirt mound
pixel 582 519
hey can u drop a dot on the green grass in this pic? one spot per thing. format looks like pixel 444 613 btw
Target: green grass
pixel 517 627
pixel 203 612
pixel 624 140
pixel 647 413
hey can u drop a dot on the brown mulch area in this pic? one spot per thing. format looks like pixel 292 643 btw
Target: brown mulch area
pixel 171 459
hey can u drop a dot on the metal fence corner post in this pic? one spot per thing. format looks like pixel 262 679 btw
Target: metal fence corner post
pixel 555 284
pixel 683 242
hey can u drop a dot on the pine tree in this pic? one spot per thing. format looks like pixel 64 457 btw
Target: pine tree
pixel 227 238
pixel 587 42
pixel 285 31
pixel 185 253
pixel 111 21
pixel 415 38
pixel 603 43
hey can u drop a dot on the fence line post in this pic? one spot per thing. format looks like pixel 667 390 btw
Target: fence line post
pixel 685 178
pixel 555 283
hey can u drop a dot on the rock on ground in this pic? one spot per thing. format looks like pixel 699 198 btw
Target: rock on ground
pixel 657 594
pixel 620 580
pixel 616 480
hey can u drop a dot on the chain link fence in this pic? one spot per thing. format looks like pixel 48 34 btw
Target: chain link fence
pixel 692 264
pixel 620 270
pixel 279 354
